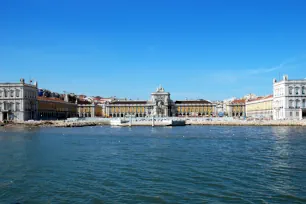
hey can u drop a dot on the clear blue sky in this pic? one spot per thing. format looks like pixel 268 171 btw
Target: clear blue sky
pixel 208 49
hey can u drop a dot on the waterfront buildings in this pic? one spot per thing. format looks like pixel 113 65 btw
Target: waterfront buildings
pixel 52 108
pixel 260 107
pixel 289 99
pixel 89 109
pixel 18 101
pixel 195 108
pixel 24 101
pixel 160 105
pixel 236 108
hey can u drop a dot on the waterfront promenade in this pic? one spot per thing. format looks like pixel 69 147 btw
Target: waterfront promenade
pixel 80 122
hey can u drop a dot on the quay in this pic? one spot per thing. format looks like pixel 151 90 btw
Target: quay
pixel 82 122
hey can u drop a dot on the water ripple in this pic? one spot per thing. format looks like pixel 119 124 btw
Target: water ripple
pixel 192 164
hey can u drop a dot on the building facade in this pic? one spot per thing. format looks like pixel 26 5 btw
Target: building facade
pixel 18 101
pixel 195 108
pixel 159 105
pixel 50 108
pixel 289 99
pixel 236 108
pixel 89 110
pixel 260 107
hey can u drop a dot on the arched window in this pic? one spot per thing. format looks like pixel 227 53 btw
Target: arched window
pixel 303 90
pixel 297 90
pixel 12 93
pixel 290 90
pixel 5 93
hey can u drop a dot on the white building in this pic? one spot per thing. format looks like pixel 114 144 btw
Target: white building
pixel 249 96
pixel 289 99
pixel 18 101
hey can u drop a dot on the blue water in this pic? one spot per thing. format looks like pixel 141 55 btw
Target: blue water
pixel 192 164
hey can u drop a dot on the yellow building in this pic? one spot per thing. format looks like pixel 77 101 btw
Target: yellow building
pixel 54 108
pixel 159 105
pixel 260 107
pixel 89 110
pixel 128 108
pixel 236 108
pixel 194 108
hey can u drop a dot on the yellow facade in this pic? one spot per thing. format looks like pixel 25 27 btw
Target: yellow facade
pixel 55 109
pixel 260 107
pixel 126 109
pixel 90 110
pixel 195 110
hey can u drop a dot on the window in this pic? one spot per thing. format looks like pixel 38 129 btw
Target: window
pixel 12 93
pixel 0 93
pixel 5 106
pixel 297 102
pixel 290 114
pixel 297 114
pixel 5 93
pixel 17 106
pixel 0 106
pixel 304 103
pixel 290 90
pixel 17 93
pixel 303 90
pixel 290 104
pixel 11 106
pixel 296 90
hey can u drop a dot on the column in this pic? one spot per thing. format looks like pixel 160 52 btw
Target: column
pixel 93 109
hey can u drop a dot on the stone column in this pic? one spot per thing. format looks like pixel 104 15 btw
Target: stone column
pixel 93 111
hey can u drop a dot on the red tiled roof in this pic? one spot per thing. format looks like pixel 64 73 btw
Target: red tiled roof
pixel 128 102
pixel 42 98
pixel 260 98
pixel 238 101
pixel 193 102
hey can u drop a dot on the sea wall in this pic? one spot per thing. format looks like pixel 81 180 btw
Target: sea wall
pixel 251 123
pixel 148 122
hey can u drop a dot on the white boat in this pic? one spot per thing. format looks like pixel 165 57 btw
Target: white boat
pixel 117 122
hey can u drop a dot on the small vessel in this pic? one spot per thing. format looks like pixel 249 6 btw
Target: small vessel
pixel 117 122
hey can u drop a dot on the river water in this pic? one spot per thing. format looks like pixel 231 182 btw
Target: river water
pixel 192 164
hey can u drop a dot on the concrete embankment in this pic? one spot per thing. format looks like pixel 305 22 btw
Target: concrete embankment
pixel 58 123
pixel 249 123
pixel 82 123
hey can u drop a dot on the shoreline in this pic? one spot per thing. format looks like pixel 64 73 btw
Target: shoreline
pixel 53 123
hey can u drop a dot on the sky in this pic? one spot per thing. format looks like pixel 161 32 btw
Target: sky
pixel 205 49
